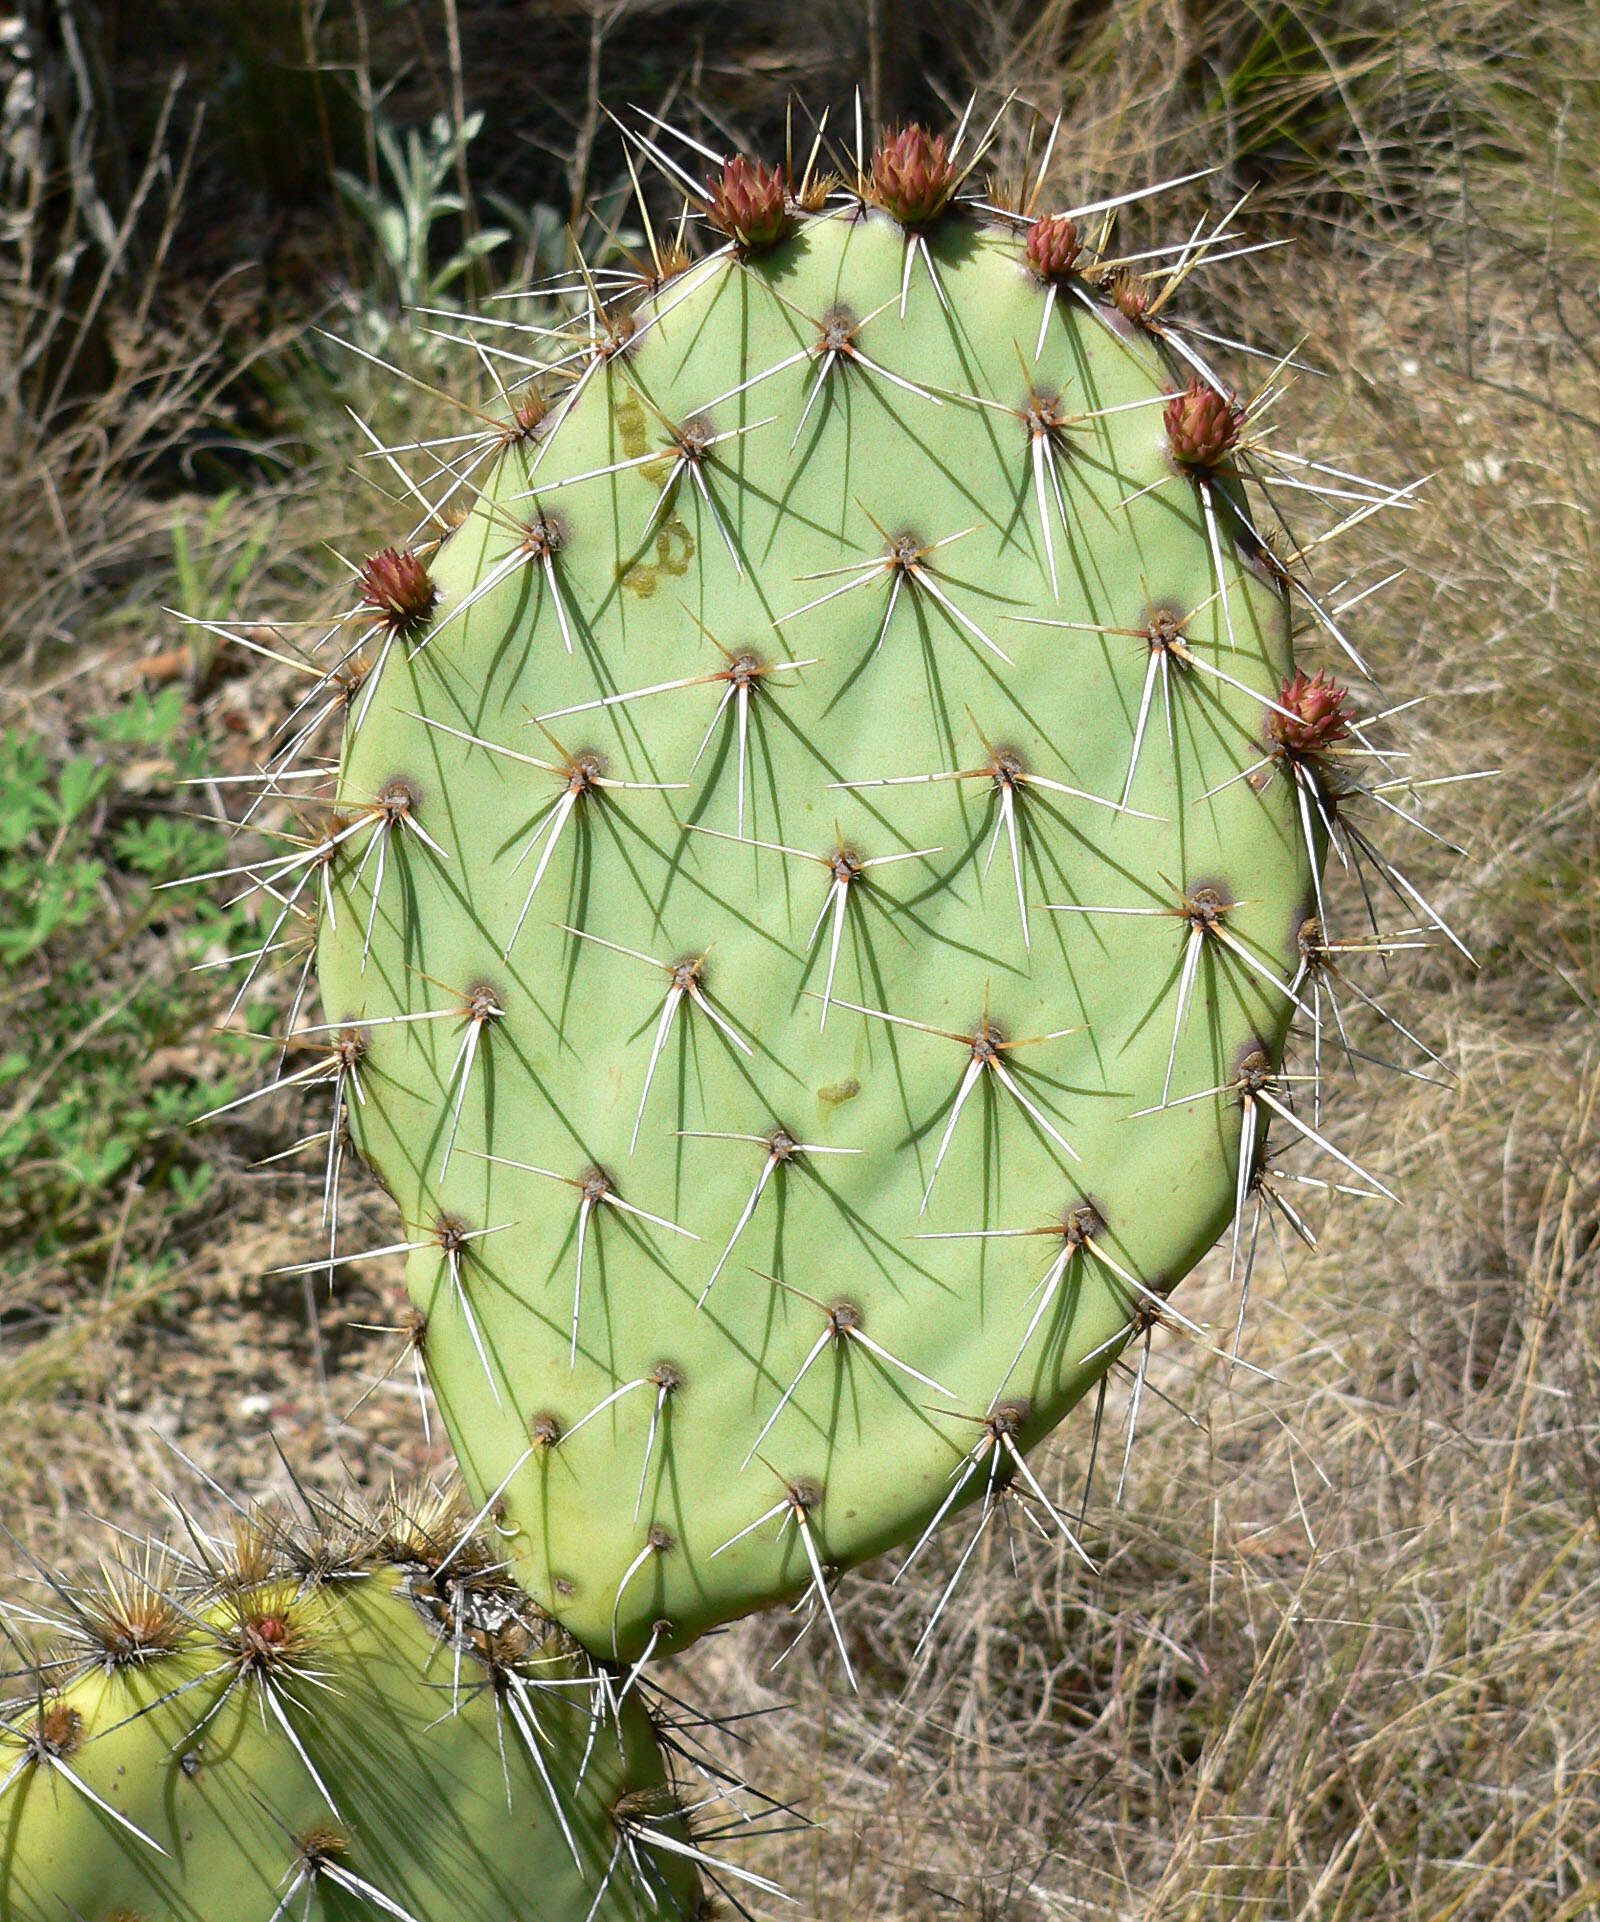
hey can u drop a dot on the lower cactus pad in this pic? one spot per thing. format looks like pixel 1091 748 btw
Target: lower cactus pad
pixel 388 1729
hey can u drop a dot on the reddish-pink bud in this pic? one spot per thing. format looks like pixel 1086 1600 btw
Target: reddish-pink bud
pixel 1127 295
pixel 530 415
pixel 912 177
pixel 1202 425
pixel 1053 246
pixel 1317 704
pixel 395 584
pixel 748 202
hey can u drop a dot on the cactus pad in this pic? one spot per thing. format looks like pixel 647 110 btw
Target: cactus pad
pixel 386 1729
pixel 806 903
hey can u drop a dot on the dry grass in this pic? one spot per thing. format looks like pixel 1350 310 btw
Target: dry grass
pixel 1339 1663
pixel 145 430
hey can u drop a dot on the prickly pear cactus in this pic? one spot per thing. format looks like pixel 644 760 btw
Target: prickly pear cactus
pixel 810 908
pixel 372 1727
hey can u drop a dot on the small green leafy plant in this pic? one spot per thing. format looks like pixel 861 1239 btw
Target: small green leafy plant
pixel 100 1000
pixel 419 165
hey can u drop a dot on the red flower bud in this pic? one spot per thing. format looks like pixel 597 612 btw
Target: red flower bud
pixel 1053 246
pixel 748 203
pixel 395 584
pixel 1320 720
pixel 912 177
pixel 529 416
pixel 1202 425
pixel 1127 295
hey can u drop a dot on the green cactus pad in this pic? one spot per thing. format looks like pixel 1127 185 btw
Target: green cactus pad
pixel 390 1731
pixel 731 853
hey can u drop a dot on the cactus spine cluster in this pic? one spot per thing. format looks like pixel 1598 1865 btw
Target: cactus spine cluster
pixel 824 856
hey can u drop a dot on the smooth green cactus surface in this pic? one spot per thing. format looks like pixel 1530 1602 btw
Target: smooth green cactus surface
pixel 361 1739
pixel 802 910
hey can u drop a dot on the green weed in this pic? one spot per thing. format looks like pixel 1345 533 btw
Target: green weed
pixel 96 1086
pixel 401 221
